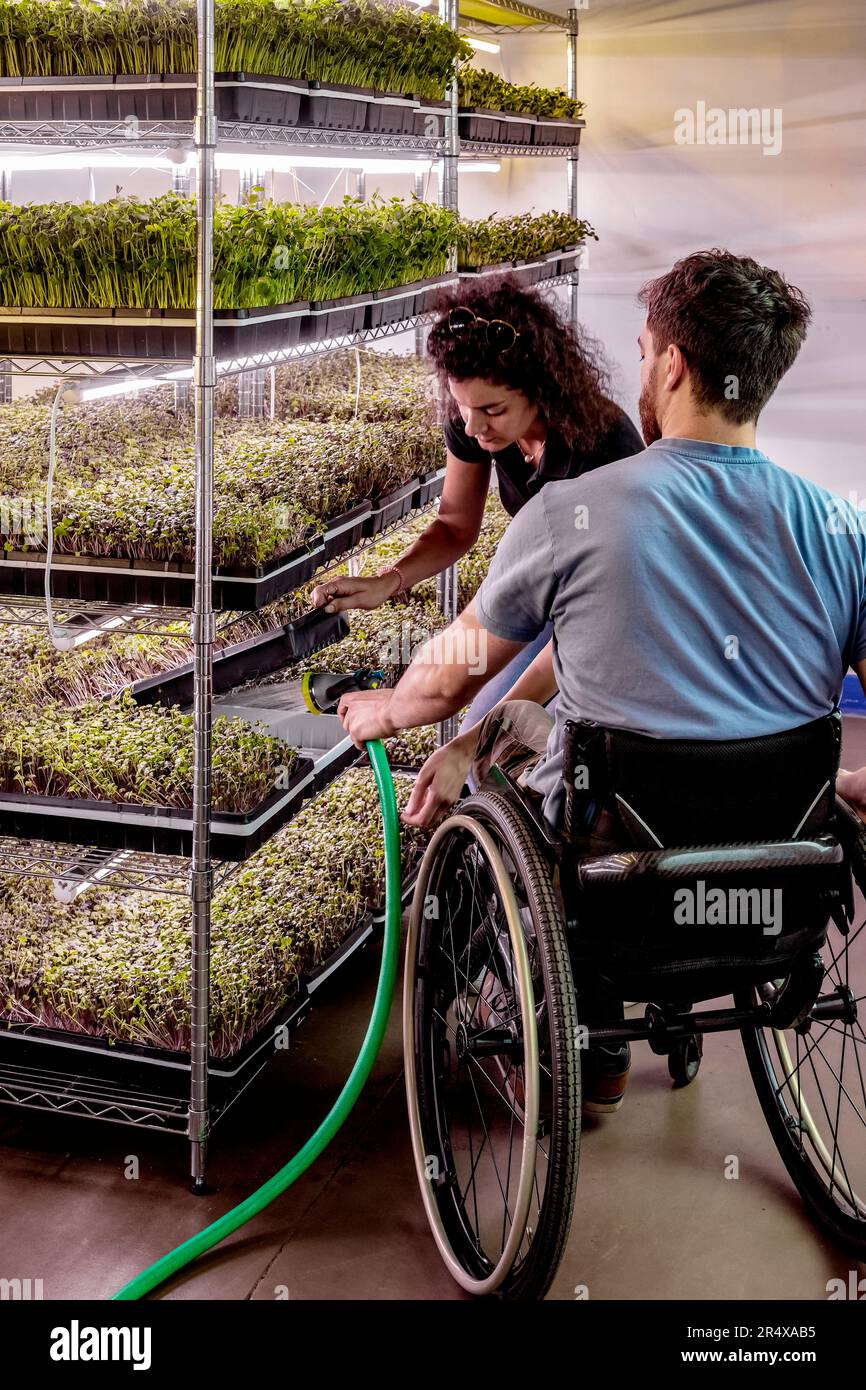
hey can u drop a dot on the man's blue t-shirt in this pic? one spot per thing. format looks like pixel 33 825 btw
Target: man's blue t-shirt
pixel 696 590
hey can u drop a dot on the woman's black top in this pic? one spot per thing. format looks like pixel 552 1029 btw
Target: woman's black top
pixel 519 480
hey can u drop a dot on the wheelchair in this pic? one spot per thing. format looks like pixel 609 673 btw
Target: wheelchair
pixel 730 884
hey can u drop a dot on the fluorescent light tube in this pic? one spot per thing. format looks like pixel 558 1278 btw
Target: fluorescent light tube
pixel 278 163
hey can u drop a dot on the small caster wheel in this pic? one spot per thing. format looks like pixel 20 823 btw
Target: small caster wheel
pixel 684 1059
pixel 200 1187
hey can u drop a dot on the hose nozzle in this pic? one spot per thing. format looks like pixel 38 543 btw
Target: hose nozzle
pixel 322 691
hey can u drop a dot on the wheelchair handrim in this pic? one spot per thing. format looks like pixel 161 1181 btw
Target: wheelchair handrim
pixel 530 1069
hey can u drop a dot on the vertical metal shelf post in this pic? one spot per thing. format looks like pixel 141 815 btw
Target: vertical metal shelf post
pixel 446 582
pixel 5 373
pixel 420 331
pixel 573 155
pixel 203 627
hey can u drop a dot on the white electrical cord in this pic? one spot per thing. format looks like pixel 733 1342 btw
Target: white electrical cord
pixel 62 642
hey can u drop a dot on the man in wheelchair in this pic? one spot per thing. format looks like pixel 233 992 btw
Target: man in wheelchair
pixel 706 605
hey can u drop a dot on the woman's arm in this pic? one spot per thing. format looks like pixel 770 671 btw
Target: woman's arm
pixel 445 540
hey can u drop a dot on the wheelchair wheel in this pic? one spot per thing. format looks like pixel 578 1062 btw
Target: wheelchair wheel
pixel 811 1083
pixel 492 1066
pixel 684 1060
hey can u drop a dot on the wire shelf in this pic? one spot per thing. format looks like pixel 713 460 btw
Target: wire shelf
pixel 75 869
pixel 274 357
pixel 178 135
pixel 83 1097
pixel 88 619
pixel 274 138
pixel 494 149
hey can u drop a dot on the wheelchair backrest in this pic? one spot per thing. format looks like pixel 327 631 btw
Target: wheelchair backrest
pixel 698 792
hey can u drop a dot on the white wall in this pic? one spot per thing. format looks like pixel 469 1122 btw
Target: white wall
pixel 802 211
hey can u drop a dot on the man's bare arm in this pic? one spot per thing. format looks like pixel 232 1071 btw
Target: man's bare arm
pixel 448 672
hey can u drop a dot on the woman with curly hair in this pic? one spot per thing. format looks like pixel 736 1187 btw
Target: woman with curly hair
pixel 521 392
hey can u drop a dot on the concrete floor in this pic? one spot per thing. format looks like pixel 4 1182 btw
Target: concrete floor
pixel 656 1218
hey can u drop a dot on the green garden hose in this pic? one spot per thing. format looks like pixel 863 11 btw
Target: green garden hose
pixel 177 1259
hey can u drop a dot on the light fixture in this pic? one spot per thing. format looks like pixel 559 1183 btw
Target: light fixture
pixel 279 163
pixel 483 45
pixel 94 159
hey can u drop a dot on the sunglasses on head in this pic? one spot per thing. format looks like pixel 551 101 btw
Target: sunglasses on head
pixel 500 334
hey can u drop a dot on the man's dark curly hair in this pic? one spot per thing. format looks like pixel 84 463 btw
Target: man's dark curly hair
pixel 738 324
pixel 561 372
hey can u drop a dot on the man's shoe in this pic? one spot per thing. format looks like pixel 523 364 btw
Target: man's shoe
pixel 604 1078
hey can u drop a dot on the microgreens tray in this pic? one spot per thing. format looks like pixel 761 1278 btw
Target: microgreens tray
pixel 103 1057
pixel 153 829
pixel 247 98
pixel 168 334
pixel 98 579
pixel 250 660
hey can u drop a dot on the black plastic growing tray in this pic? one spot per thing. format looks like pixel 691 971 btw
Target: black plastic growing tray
pixel 556 130
pixel 160 334
pixel 477 123
pixel 393 506
pixel 335 318
pixel 517 129
pixel 250 660
pixel 392 113
pixel 169 334
pixel 257 100
pixel 347 531
pixel 501 268
pixel 431 487
pixel 530 272
pixel 395 304
pixel 105 580
pixel 429 118
pixel 154 96
pixel 567 259
pixel 335 106
pixel 152 829
pixel 246 98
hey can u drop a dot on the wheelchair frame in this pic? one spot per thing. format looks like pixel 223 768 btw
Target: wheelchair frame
pixel 672 1029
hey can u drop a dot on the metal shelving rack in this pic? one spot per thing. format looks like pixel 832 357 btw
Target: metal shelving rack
pixel 33 1086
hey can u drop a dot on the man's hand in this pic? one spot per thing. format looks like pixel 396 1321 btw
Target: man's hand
pixel 441 780
pixel 348 591
pixel 851 786
pixel 365 715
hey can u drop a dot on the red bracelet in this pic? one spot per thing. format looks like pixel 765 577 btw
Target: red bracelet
pixel 401 592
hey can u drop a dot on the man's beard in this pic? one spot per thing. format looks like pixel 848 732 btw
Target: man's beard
pixel 646 410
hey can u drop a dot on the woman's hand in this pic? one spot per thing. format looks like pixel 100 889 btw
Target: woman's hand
pixel 347 591
pixel 851 786
pixel 441 780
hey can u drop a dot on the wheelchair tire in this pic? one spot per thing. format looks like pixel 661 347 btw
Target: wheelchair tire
pixel 684 1060
pixel 821 1137
pixel 494 951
